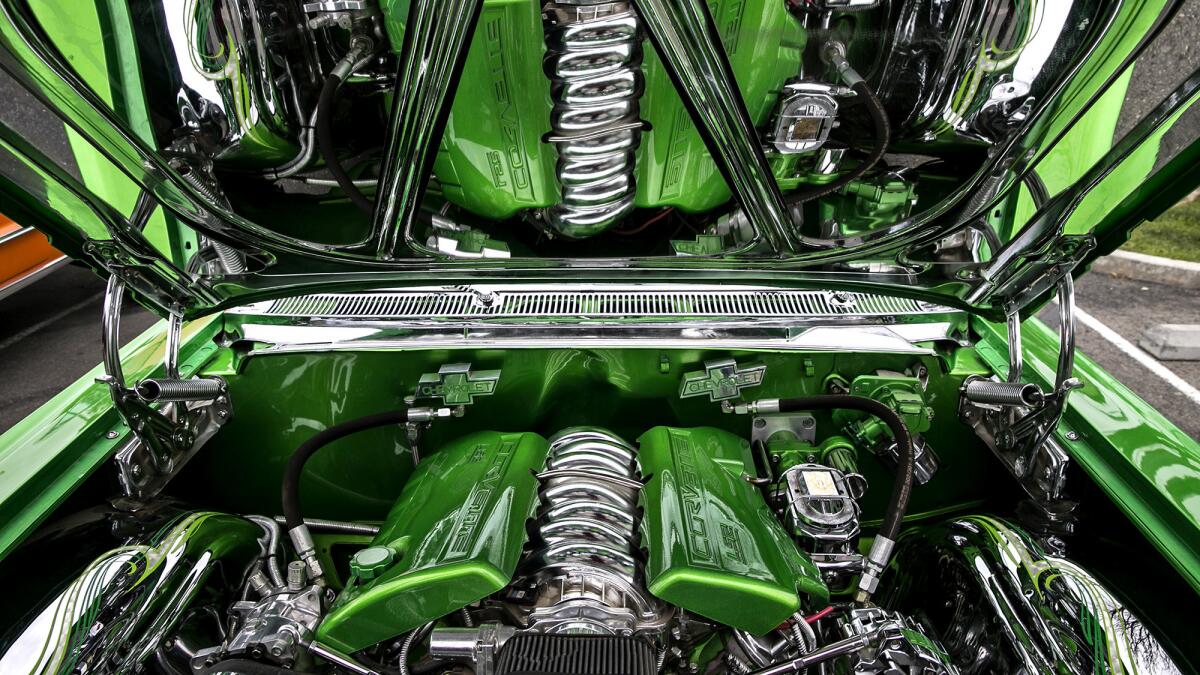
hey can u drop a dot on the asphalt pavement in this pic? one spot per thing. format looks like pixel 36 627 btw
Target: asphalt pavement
pixel 50 337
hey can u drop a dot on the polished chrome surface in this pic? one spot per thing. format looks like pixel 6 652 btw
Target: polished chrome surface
pixel 594 63
pixel 566 315
pixel 973 571
pixel 279 624
pixel 128 602
pixel 820 504
pixel 589 518
pixel 686 38
pixel 586 571
pixel 230 81
pixel 806 114
pixel 971 71
pixel 592 302
pixel 436 38
pixel 902 647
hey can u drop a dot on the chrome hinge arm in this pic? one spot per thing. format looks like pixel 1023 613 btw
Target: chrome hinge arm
pixel 164 438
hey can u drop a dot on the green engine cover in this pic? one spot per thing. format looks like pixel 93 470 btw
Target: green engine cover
pixel 457 532
pixel 715 547
pixel 493 161
pixel 764 43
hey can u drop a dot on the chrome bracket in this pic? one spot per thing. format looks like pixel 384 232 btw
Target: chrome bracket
pixel 165 437
pixel 1020 430
pixel 722 380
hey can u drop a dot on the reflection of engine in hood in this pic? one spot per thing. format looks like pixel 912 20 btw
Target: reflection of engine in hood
pixel 569 119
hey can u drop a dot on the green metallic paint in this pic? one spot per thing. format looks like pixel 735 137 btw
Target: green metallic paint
pixel 457 530
pixel 493 161
pixel 625 390
pixel 1145 464
pixel 715 547
pixel 47 455
pixel 764 42
pixel 97 38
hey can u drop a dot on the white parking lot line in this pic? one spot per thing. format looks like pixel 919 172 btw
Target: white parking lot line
pixel 1137 354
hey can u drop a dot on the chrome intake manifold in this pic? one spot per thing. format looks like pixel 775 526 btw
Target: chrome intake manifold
pixel 588 575
pixel 594 64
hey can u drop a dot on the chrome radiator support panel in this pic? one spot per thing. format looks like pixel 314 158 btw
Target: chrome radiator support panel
pixel 594 62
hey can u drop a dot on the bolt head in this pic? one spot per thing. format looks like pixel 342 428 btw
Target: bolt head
pixel 111 435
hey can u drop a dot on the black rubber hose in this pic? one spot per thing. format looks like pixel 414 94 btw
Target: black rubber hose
pixel 902 487
pixel 295 467
pixel 883 137
pixel 326 105
pixel 248 667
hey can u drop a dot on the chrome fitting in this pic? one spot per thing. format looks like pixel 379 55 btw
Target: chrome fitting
pixel 873 566
pixel 765 406
pixel 306 548
pixel 833 54
pixel 260 584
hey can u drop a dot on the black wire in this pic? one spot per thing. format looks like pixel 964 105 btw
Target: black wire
pixel 883 136
pixel 326 106
pixel 902 487
pixel 295 466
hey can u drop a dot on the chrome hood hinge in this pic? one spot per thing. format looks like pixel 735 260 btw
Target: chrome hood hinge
pixel 164 438
pixel 1018 420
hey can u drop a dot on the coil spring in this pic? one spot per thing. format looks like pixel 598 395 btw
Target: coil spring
pixel 200 389
pixel 594 64
pixel 231 259
pixel 989 392
pixel 589 516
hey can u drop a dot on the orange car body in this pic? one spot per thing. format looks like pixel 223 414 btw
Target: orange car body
pixel 25 255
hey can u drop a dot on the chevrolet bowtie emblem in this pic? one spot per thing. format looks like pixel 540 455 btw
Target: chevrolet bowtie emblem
pixel 722 380
pixel 455 384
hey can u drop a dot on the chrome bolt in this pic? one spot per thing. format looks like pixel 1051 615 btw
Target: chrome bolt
pixel 1072 436
pixel 111 435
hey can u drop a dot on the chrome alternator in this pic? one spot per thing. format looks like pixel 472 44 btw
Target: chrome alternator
pixel 594 62
pixel 587 572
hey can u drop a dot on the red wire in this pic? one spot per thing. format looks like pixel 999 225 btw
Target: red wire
pixel 819 615
pixel 663 214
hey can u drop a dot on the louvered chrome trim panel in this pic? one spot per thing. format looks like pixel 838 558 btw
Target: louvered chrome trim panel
pixel 585 304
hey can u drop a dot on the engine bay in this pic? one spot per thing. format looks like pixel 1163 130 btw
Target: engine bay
pixel 798 513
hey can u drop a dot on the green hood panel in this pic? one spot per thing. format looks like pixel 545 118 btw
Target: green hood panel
pixel 715 547
pixel 456 534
